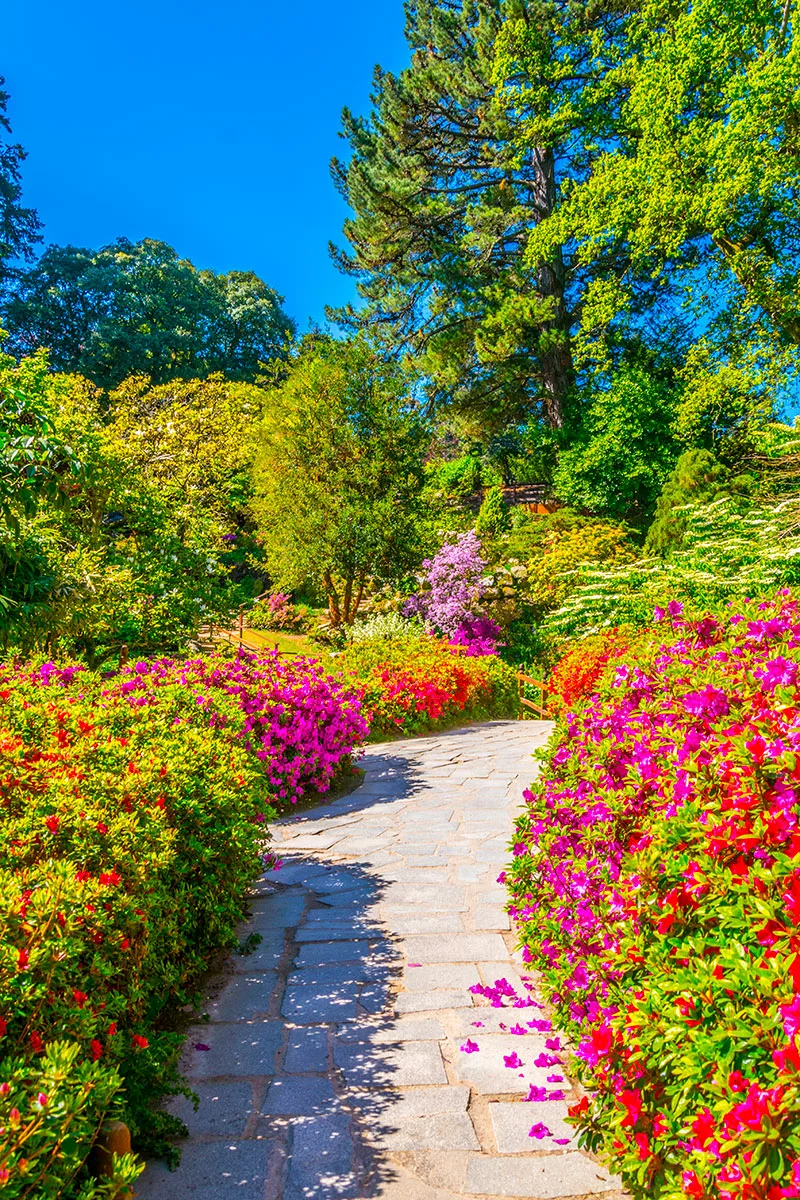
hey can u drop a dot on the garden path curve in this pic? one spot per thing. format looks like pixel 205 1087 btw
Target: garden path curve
pixel 331 1066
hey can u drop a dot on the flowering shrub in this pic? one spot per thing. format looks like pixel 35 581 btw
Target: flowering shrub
pixel 301 723
pixel 278 612
pixel 656 883
pixel 577 672
pixel 451 605
pixel 132 815
pixel 411 684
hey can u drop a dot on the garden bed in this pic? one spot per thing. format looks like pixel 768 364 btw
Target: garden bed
pixel 655 880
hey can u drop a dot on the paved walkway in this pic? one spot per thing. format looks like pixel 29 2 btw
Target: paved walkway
pixel 332 1066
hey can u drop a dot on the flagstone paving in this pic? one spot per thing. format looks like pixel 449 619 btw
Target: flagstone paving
pixel 330 1063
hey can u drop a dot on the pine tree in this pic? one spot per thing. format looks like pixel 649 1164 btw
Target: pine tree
pixel 19 226
pixel 444 196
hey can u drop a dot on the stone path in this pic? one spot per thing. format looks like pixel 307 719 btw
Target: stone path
pixel 331 1063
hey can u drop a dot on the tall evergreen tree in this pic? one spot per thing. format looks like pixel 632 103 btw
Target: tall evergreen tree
pixel 19 226
pixel 445 194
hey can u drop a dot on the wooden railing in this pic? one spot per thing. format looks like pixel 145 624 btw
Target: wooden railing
pixel 526 704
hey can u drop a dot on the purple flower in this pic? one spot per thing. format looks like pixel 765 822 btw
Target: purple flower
pixel 469 1047
pixel 539 1130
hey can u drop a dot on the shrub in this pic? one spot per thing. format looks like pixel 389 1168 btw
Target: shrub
pixel 414 683
pixel 579 669
pixel 132 814
pixel 493 516
pixel 451 606
pixel 278 612
pixel 697 477
pixel 730 548
pixel 554 572
pixel 384 627
pixel 656 884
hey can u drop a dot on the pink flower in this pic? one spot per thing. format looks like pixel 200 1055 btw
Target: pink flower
pixel 512 1060
pixel 470 1047
pixel 539 1130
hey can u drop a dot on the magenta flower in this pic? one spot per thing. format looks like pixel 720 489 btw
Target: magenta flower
pixel 470 1047
pixel 512 1060
pixel 539 1130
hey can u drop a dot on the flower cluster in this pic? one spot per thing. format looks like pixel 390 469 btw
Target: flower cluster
pixel 413 683
pixel 277 611
pixel 656 884
pixel 299 721
pixel 451 604
pixel 132 822
pixel 579 669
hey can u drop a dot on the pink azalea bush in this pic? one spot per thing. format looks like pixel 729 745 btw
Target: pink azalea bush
pixel 451 605
pixel 133 819
pixel 655 881
pixel 299 721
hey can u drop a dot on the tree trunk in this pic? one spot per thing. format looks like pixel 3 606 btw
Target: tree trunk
pixel 334 610
pixel 555 363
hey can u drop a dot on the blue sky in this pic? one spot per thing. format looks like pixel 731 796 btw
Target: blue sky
pixel 210 127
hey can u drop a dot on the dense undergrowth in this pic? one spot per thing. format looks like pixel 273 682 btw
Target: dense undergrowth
pixel 133 816
pixel 656 884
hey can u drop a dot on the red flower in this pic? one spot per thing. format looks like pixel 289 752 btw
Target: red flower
pixel 52 823
pixel 631 1101
pixel 642 1146
pixel 37 1045
pixel 3 1027
pixel 23 958
pixel 139 1042
pixel 101 827
pixel 97 1049
pixel 80 998
pixel 691 1184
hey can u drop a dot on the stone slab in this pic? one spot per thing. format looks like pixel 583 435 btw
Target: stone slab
pixel 512 1124
pixel 223 1110
pixel 317 953
pixel 366 1064
pixel 306 1051
pixel 548 1177
pixel 410 1002
pixel 420 922
pixel 243 997
pixel 448 1132
pixel 486 1069
pixel 211 1170
pixel 310 1005
pixel 321 1160
pixel 469 948
pixel 440 975
pixel 299 1095
pixel 242 1048
pixel 404 1029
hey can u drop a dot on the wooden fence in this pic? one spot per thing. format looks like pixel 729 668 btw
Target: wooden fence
pixel 538 706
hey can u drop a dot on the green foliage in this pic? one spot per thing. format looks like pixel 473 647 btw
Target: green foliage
pixel 625 452
pixel 339 475
pixel 138 309
pixel 129 839
pixel 415 682
pixel 697 478
pixel 443 199
pixel 555 571
pixel 493 516
pixel 19 226
pixel 731 548
pixel 129 543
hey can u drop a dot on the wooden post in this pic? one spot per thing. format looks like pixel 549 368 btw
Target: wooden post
pixel 113 1138
pixel 124 654
pixel 241 624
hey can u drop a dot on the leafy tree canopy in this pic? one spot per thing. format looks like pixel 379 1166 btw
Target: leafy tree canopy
pixel 139 309
pixel 339 474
